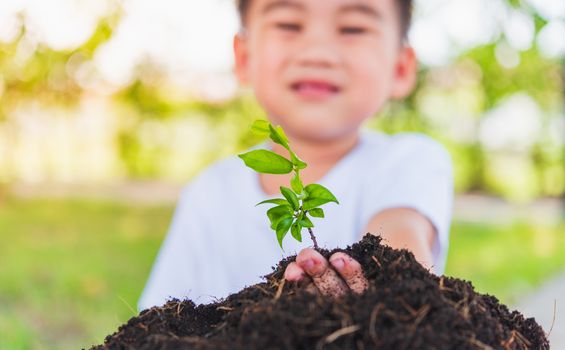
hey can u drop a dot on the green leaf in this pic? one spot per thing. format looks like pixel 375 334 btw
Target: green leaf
pixel 290 197
pixel 278 220
pixel 278 136
pixel 260 127
pixel 317 195
pixel 295 231
pixel 298 163
pixel 278 201
pixel 276 214
pixel 305 222
pixel 267 162
pixel 278 211
pixel 296 183
pixel 282 229
pixel 316 212
pixel 312 203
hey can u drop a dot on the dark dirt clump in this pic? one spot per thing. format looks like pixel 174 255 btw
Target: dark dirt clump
pixel 405 307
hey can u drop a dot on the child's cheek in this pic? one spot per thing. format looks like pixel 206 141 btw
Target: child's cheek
pixel 370 89
pixel 271 53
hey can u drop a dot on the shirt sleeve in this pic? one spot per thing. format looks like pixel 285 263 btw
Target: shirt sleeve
pixel 174 271
pixel 418 176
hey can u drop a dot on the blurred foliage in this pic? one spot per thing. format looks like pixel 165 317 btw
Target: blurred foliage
pixel 34 70
pixel 76 267
pixel 224 127
pixel 535 75
pixel 152 136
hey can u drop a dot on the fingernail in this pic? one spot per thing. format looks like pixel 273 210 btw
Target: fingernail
pixel 338 263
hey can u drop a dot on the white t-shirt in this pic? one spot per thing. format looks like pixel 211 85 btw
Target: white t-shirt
pixel 219 241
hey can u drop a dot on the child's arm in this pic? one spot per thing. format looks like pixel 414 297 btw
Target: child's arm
pixel 399 227
pixel 405 228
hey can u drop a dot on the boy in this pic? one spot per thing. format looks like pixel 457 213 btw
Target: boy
pixel 319 69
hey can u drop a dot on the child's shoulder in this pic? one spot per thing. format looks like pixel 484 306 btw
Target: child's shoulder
pixel 213 184
pixel 224 177
pixel 220 171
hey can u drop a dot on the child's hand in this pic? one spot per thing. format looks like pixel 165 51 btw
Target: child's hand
pixel 334 278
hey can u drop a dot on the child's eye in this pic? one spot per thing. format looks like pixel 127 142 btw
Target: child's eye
pixel 352 30
pixel 291 27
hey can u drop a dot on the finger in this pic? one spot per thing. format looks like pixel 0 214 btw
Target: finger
pixel 294 273
pixel 325 278
pixel 351 271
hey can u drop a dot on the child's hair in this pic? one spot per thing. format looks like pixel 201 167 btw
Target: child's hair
pixel 404 7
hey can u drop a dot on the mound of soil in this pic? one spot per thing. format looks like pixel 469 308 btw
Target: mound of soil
pixel 405 307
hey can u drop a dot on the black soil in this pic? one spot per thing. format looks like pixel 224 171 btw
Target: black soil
pixel 405 307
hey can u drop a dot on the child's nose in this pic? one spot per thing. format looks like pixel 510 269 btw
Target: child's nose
pixel 318 56
pixel 318 48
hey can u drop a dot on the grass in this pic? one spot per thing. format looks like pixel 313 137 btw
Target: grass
pixel 71 271
pixel 506 260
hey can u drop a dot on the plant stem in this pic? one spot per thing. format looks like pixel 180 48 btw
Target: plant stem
pixel 313 238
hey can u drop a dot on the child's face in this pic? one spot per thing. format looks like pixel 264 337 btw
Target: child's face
pixel 320 68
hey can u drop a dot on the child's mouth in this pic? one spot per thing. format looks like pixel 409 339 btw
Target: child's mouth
pixel 315 90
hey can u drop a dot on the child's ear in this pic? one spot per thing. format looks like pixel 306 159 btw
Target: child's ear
pixel 241 57
pixel 405 73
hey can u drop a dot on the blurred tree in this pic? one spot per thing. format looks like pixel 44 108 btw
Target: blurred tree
pixel 158 129
pixel 34 70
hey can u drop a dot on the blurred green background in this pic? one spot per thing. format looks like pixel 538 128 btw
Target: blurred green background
pixel 98 131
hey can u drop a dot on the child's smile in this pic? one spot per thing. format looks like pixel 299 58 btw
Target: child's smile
pixel 315 89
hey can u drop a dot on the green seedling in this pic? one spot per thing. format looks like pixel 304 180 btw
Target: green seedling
pixel 299 203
